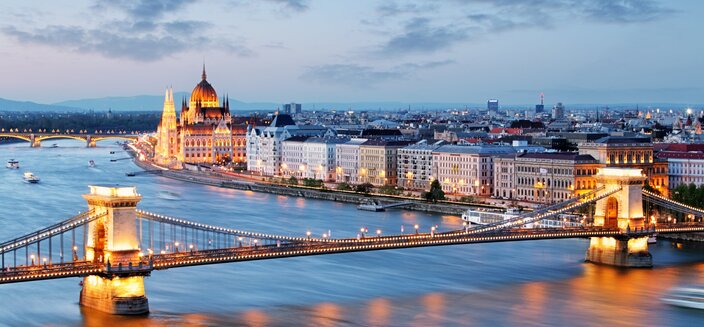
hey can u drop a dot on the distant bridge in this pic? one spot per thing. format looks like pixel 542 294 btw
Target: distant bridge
pixel 35 139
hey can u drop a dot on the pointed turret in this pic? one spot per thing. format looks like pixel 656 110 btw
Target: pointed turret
pixel 204 76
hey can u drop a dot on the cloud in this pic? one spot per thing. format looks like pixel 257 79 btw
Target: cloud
pixel 144 9
pixel 392 8
pixel 295 5
pixel 473 19
pixel 143 34
pixel 148 47
pixel 419 35
pixel 624 11
pixel 365 76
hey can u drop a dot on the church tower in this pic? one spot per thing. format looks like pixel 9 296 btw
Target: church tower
pixel 167 147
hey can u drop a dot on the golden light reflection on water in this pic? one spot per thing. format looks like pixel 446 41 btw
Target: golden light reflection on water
pixel 255 318
pixel 432 310
pixel 326 315
pixel 379 312
pixel 531 309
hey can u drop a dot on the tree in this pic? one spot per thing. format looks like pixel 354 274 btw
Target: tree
pixel 436 193
pixel 293 180
pixel 344 187
pixel 364 188
pixel 390 189
pixel 312 182
pixel 651 189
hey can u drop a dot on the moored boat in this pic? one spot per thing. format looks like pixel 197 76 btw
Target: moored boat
pixel 30 178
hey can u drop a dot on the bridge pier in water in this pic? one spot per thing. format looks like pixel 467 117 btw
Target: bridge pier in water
pixel 90 143
pixel 622 210
pixel 34 141
pixel 113 242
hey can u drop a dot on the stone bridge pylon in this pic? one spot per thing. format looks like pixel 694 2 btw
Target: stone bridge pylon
pixel 112 241
pixel 622 210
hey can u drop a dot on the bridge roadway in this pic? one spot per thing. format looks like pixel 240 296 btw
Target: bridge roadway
pixel 318 247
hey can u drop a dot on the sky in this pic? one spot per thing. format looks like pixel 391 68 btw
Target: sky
pixel 575 51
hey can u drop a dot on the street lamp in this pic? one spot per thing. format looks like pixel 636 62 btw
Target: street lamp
pixel 416 227
pixel 378 232
pixel 32 257
pixel 308 234
pixel 432 231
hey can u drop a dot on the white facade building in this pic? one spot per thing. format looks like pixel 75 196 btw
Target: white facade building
pixel 347 161
pixel 415 166
pixel 467 170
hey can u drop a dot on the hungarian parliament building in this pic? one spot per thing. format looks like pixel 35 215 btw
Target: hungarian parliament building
pixel 203 133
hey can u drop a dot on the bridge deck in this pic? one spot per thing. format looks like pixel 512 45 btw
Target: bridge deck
pixel 319 247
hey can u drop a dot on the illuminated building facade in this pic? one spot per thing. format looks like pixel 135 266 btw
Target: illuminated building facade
pixel 630 152
pixel 203 133
pixel 467 170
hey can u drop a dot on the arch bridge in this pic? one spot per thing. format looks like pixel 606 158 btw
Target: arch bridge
pixel 113 245
pixel 35 139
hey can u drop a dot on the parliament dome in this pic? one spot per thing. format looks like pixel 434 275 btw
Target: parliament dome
pixel 205 94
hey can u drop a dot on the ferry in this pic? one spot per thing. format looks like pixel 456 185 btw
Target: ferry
pixel 483 217
pixel 30 178
pixel 687 297
pixel 54 145
pixel 91 164
pixel 653 239
pixel 13 164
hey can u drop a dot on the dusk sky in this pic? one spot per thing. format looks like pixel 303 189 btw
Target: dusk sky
pixel 575 51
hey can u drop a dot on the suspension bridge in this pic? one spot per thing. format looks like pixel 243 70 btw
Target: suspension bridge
pixel 113 245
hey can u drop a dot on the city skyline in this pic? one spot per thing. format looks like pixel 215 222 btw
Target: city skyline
pixel 308 51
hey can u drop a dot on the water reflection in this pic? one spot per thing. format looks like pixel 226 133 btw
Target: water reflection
pixel 529 283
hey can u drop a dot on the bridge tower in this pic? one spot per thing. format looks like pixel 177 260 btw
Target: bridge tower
pixel 112 241
pixel 622 210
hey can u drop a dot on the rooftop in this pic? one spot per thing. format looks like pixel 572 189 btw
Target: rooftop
pixel 476 149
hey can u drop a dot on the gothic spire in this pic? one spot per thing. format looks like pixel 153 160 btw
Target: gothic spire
pixel 204 76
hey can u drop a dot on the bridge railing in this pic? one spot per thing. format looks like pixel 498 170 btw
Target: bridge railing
pixel 218 229
pixel 548 212
pixel 671 204
pixel 48 232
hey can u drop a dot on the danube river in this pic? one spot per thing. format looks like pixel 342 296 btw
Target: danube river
pixel 524 283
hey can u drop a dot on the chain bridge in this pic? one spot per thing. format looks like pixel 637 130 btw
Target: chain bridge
pixel 113 245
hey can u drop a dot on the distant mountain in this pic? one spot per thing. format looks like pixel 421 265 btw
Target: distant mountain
pixel 13 105
pixel 153 103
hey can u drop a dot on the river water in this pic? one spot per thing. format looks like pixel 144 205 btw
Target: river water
pixel 531 283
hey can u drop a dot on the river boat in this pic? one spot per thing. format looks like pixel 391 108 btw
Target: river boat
pixel 13 164
pixel 652 239
pixel 91 164
pixel 687 297
pixel 30 178
pixel 484 217
pixel 54 145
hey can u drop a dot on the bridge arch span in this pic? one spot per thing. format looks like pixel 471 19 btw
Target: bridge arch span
pixel 60 136
pixel 16 136
pixel 113 137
